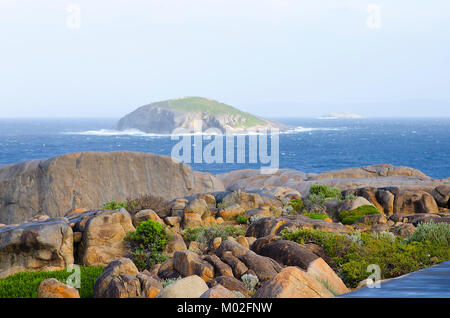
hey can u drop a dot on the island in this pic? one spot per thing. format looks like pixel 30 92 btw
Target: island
pixel 165 117
pixel 340 116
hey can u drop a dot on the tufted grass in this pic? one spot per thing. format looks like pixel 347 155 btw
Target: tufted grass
pixel 316 216
pixel 438 233
pixel 350 217
pixel 25 285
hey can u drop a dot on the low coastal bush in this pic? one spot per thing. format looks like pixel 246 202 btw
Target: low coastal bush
pixel 296 204
pixel 349 217
pixel 438 233
pixel 318 196
pixel 350 254
pixel 114 205
pixel 149 201
pixel 242 219
pixel 146 244
pixel 317 216
pixel 206 234
pixel 25 285
pixel 325 191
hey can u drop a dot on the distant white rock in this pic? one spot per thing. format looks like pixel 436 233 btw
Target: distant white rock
pixel 340 116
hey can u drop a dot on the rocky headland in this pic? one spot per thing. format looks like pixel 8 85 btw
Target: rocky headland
pixel 191 114
pixel 231 235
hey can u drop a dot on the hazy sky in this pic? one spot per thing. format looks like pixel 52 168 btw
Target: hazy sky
pixel 270 57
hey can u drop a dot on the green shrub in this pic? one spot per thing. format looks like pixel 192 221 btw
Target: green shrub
pixel 438 233
pixel 146 244
pixel 326 192
pixel 25 285
pixel 314 202
pixel 113 205
pixel 158 204
pixel 349 217
pixel 296 204
pixel 206 234
pixel 349 255
pixel 318 196
pixel 317 216
pixel 242 219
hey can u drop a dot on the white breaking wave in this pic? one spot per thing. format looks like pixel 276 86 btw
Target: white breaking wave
pixel 111 132
pixel 139 133
pixel 301 129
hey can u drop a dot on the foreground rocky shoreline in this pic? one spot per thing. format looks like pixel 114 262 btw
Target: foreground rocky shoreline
pixel 57 207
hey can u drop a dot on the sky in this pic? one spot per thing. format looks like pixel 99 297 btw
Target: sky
pixel 274 58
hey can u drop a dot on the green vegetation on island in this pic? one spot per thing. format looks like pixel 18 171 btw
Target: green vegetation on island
pixel 212 107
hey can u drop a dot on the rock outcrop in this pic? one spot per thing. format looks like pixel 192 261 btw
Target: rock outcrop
pixel 89 179
pixel 375 176
pixel 264 267
pixel 36 246
pixel 292 282
pixel 271 226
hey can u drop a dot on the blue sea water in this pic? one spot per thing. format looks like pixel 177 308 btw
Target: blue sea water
pixel 315 145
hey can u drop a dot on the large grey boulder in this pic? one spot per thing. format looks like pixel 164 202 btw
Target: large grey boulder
pixel 407 201
pixel 218 291
pixel 119 272
pixel 188 287
pixel 264 267
pixel 103 236
pixel 188 263
pixel 36 246
pixel 293 254
pixel 292 282
pixel 442 195
pixel 89 179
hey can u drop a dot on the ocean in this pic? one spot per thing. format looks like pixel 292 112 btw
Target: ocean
pixel 312 145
